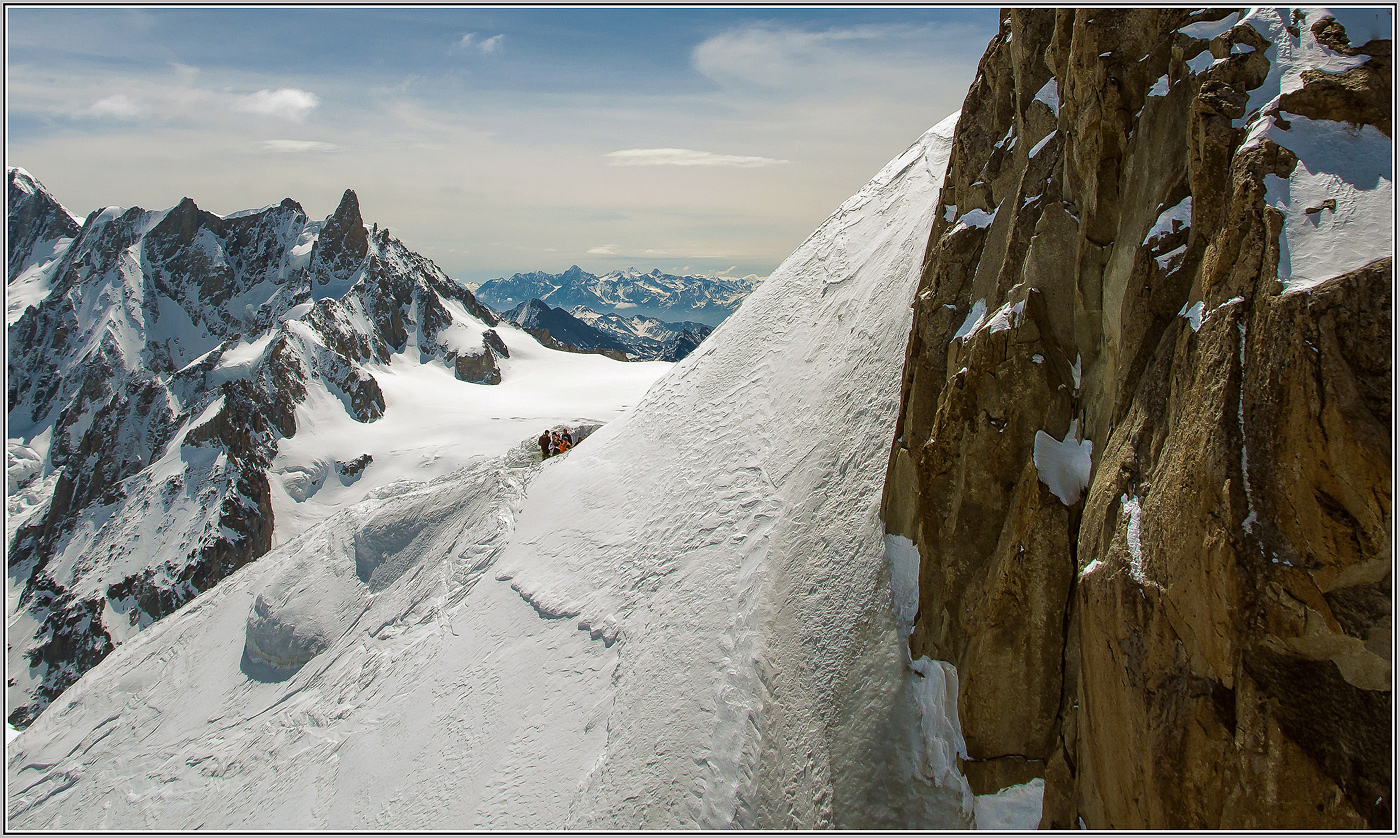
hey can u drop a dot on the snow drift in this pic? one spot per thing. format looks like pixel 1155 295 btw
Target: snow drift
pixel 684 622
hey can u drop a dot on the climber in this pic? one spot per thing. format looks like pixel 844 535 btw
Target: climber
pixel 544 445
pixel 564 442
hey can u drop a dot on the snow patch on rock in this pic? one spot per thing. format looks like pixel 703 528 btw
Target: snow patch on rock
pixel 1064 465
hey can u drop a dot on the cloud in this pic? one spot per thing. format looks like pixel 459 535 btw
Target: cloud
pixel 603 250
pixel 685 157
pixel 852 59
pixel 284 102
pixel 118 106
pixel 484 45
pixel 768 56
pixel 299 146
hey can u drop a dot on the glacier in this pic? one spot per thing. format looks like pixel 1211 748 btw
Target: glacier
pixel 686 621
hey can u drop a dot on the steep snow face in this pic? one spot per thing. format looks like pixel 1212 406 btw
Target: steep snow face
pixel 685 621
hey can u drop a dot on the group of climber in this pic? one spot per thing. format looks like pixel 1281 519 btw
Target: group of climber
pixel 555 442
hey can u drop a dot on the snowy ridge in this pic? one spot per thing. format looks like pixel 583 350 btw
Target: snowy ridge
pixel 646 337
pixel 39 231
pixel 684 622
pixel 178 401
pixel 707 298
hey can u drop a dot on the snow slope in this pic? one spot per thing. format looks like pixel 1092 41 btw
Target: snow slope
pixel 434 424
pixel 1338 203
pixel 684 622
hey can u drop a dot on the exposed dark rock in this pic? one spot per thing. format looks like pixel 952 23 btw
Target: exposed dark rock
pixel 1200 640
pixel 35 222
pixel 495 344
pixel 343 243
pixel 478 368
pixel 355 467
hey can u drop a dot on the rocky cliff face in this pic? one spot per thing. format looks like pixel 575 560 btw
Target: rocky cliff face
pixel 38 232
pixel 149 387
pixel 1144 443
pixel 36 222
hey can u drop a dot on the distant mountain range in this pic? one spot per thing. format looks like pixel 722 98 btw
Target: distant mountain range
pixel 633 338
pixel 703 299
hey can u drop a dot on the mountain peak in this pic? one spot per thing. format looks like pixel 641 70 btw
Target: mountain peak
pixel 348 211
pixel 37 222
pixel 343 242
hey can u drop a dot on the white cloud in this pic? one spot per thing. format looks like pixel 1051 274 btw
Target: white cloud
pixel 118 106
pixel 284 102
pixel 768 56
pixel 299 146
pixel 484 45
pixel 851 60
pixel 602 250
pixel 685 157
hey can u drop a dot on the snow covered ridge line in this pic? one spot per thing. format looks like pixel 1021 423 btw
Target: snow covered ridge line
pixel 187 386
pixel 39 232
pixel 625 338
pixel 704 298
pixel 655 631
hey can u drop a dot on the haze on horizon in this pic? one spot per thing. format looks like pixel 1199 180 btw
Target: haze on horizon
pixel 492 140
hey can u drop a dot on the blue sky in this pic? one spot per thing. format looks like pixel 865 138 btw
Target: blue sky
pixel 492 140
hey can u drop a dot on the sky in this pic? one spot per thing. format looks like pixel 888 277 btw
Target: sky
pixel 492 140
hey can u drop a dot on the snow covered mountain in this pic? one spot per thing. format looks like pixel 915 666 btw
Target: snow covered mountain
pixel 647 338
pixel 685 621
pixel 625 338
pixel 39 231
pixel 187 386
pixel 706 299
pixel 555 327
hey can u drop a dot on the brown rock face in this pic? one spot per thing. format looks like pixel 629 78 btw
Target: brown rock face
pixel 1198 635
pixel 478 368
pixel 343 242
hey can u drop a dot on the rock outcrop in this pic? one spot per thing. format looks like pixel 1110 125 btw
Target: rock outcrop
pixel 1144 443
